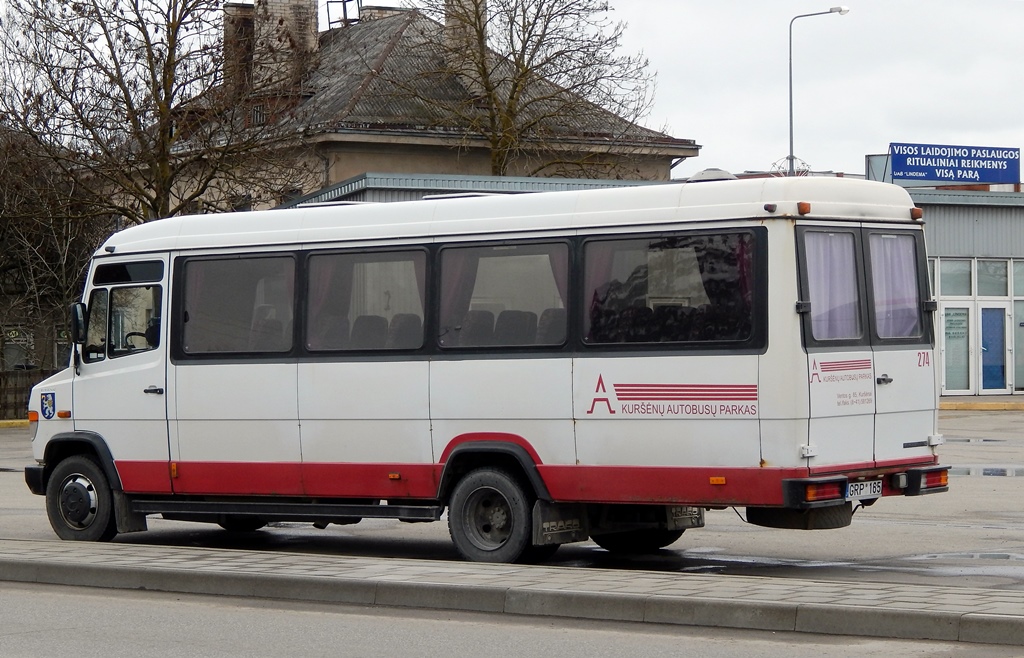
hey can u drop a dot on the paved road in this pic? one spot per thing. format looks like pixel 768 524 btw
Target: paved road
pixel 39 621
pixel 944 567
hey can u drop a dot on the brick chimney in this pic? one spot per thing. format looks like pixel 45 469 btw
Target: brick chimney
pixel 238 45
pixel 463 22
pixel 285 40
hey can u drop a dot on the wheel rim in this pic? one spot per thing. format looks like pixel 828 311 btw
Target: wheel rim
pixel 78 501
pixel 489 519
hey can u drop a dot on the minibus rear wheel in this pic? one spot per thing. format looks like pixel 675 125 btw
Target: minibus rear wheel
pixel 79 503
pixel 489 516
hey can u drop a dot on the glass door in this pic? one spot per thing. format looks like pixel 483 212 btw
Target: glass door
pixel 1018 339
pixel 996 350
pixel 957 354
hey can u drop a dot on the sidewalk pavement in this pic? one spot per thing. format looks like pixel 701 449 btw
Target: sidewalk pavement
pixel 687 599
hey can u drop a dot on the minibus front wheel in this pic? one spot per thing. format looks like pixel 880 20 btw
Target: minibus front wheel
pixel 489 517
pixel 79 503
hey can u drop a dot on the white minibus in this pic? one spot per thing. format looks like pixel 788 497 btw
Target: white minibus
pixel 547 368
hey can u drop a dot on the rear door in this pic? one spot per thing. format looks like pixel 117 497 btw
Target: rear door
pixel 902 344
pixel 839 356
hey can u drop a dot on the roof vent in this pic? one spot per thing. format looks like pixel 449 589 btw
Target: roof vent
pixel 710 174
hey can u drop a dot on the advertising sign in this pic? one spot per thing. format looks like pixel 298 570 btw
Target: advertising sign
pixel 954 164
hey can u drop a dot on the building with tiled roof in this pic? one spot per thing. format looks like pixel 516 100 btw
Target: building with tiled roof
pixel 369 95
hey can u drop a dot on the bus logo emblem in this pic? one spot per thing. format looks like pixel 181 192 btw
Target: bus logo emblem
pixel 600 389
pixel 48 402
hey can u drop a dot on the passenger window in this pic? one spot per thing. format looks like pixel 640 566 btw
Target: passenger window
pixel 366 301
pixel 675 289
pixel 831 262
pixel 509 295
pixel 238 305
pixel 897 300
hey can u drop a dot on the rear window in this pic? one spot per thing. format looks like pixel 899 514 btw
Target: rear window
pixel 895 285
pixel 831 262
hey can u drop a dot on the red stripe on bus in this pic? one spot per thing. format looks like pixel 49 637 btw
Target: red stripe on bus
pixel 662 484
pixel 565 482
pixel 382 481
pixel 144 477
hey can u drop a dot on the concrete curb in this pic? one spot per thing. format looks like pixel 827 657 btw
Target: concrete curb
pixel 7 424
pixel 537 601
pixel 975 405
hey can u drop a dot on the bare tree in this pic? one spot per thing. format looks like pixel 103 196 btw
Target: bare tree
pixel 127 98
pixel 545 83
pixel 48 239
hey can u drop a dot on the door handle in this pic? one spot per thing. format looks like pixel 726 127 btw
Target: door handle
pixel 884 379
pixel 154 390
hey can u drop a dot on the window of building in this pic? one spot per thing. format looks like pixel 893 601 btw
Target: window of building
pixel 993 278
pixel 258 115
pixel 955 277
pixel 1018 278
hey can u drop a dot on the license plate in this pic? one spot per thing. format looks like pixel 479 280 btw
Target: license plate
pixel 862 490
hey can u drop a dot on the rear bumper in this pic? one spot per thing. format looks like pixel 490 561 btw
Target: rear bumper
pixel 815 492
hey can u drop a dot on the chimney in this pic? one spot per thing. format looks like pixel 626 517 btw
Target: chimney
pixel 238 43
pixel 286 37
pixel 464 22
pixel 372 13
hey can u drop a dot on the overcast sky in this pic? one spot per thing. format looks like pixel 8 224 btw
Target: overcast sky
pixel 921 71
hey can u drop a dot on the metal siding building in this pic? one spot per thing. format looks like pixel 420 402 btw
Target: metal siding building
pixel 973 224
pixel 377 187
pixel 975 243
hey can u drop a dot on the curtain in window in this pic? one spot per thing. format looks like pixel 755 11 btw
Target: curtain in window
pixel 832 279
pixel 894 284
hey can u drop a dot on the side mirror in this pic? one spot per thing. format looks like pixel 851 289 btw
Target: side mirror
pixel 78 323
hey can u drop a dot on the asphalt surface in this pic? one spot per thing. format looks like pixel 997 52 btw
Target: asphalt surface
pixel 896 610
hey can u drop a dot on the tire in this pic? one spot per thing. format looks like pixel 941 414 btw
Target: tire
pixel 241 523
pixel 79 503
pixel 637 541
pixel 489 517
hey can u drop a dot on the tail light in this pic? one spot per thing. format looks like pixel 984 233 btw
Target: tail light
pixel 927 480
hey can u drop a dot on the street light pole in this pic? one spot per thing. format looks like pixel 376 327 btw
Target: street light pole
pixel 841 10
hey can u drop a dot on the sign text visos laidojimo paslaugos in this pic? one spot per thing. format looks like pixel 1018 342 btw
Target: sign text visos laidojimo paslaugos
pixel 954 164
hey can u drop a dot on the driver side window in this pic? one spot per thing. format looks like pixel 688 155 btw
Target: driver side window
pixel 122 321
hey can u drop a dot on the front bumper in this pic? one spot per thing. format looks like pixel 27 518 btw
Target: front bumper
pixel 36 480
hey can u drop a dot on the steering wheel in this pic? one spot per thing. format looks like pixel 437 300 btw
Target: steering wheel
pixel 130 334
